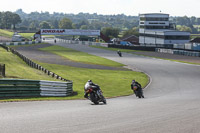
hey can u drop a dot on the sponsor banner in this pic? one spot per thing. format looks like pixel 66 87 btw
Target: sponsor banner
pixel 70 32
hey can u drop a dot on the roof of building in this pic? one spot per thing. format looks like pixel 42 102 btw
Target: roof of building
pixel 154 14
pixel 129 37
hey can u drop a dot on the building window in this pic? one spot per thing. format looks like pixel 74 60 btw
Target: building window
pixel 141 26
pixel 156 19
pixel 165 37
pixel 156 27
pixel 177 37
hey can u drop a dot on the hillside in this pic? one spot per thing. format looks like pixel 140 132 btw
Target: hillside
pixel 16 68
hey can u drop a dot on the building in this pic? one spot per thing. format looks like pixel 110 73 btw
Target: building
pixel 157 30
pixel 132 39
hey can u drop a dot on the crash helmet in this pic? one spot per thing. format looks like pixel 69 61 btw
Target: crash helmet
pixel 90 82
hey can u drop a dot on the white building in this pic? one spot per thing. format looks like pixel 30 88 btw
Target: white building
pixel 156 29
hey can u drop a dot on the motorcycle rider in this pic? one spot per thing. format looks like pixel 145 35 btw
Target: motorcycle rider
pixel 139 87
pixel 87 85
pixel 119 53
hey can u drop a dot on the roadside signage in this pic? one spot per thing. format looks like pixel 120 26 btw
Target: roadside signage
pixel 70 32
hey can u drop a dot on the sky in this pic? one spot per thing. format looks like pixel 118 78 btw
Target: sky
pixel 106 7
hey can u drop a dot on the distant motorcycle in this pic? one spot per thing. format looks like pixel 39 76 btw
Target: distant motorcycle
pixel 138 91
pixel 96 95
pixel 119 53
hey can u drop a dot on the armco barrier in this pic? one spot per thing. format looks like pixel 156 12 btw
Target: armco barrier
pixel 20 43
pixel 178 52
pixel 34 88
pixel 33 64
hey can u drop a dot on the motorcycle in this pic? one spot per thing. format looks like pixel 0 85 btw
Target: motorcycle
pixel 119 53
pixel 96 95
pixel 138 91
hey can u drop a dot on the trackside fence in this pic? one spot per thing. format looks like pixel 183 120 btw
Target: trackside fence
pixel 178 52
pixel 34 88
pixel 82 42
pixel 33 64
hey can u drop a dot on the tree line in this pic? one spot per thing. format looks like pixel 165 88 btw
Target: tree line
pixel 9 20
pixel 110 25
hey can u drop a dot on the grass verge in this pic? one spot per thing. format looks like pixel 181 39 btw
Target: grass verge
pixel 27 35
pixel 6 33
pixel 113 82
pixel 16 68
pixel 9 34
pixel 81 56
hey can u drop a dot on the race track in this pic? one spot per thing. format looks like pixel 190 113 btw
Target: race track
pixel 172 104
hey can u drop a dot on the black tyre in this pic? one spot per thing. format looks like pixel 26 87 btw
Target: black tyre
pixel 93 98
pixel 104 100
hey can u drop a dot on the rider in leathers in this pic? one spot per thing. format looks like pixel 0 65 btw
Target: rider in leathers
pixel 139 87
pixel 87 85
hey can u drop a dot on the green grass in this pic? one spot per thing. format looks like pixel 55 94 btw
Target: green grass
pixel 80 56
pixel 16 68
pixel 9 34
pixel 6 33
pixel 27 35
pixel 112 82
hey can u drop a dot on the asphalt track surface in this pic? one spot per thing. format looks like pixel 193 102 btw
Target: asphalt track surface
pixel 172 104
pixel 33 53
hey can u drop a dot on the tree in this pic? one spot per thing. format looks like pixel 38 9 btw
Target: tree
pixel 32 26
pixel 54 23
pixel 110 32
pixel 184 28
pixel 83 27
pixel 65 23
pixel 6 20
pixel 133 31
pixel 1 14
pixel 15 20
pixel 45 25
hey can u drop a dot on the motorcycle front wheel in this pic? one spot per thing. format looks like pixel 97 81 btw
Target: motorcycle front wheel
pixel 104 100
pixel 93 98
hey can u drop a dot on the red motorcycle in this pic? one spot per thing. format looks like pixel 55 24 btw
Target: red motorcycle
pixel 96 95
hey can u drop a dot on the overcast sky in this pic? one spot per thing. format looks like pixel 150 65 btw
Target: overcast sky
pixel 106 7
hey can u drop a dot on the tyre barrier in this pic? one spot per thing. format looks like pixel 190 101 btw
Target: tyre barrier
pixel 33 64
pixel 34 88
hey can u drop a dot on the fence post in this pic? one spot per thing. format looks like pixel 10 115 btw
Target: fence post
pixel 2 70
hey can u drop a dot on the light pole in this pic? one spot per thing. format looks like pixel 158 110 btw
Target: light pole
pixel 155 38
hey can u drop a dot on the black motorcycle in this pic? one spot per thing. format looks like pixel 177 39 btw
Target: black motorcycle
pixel 119 53
pixel 138 91
pixel 96 95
